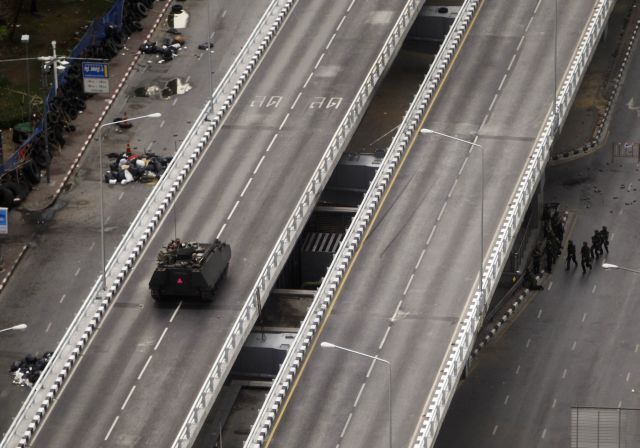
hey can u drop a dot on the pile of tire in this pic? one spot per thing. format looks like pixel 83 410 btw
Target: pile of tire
pixel 68 102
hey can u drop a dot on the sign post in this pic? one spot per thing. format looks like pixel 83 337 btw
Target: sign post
pixel 4 220
pixel 95 77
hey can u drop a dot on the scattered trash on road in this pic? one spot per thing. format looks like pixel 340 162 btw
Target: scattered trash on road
pixel 128 167
pixel 27 371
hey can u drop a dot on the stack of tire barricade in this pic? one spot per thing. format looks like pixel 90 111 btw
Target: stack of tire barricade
pixel 103 39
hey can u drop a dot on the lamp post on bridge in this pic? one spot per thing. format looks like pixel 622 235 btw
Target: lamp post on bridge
pixel 622 268
pixel 325 344
pixel 18 327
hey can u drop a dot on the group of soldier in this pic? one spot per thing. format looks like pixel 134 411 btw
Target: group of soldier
pixel 588 253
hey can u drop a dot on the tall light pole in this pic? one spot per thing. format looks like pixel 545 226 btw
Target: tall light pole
pixel 25 40
pixel 622 268
pixel 18 327
pixel 431 131
pixel 325 344
pixel 555 69
pixel 100 181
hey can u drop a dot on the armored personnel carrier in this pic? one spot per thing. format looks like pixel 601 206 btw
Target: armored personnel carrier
pixel 189 270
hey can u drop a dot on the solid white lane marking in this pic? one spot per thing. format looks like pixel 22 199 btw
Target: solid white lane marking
pixel 296 101
pixel 221 230
pixel 539 313
pixel 319 61
pixel 584 316
pixel 244 190
pixel 330 41
pixel 173 316
pixel 520 43
pixel 77 272
pixel 506 400
pixel 121 196
pixel 160 339
pixel 455 182
pixel 537 6
pixel 307 81
pixel 351 5
pixel 111 427
pixel 628 375
pixel 504 78
pixel 544 433
pixel 433 230
pixel 173 103
pixel 384 338
pixel 233 210
pixel 145 367
pixel 341 22
pixel 406 288
pixel 346 425
pixel 441 211
pixel 258 167
pixel 62 298
pixel 493 102
pixel 564 373
pixel 495 429
pixel 355 403
pixel 553 405
pixel 513 59
pixel 593 290
pixel 162 123
pixel 283 122
pixel 271 143
pixel 573 346
pixel 420 259
pixel 48 327
pixel 528 342
pixel 126 400
pixel 550 285
pixel 518 369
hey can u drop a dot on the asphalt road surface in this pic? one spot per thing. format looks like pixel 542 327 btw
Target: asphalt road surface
pixel 576 343
pixel 405 293
pixel 141 372
pixel 63 263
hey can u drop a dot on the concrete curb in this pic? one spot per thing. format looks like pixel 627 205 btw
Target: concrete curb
pixel 13 267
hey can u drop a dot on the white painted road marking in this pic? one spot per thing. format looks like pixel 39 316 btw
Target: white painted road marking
pixel 330 41
pixel 271 143
pixel 504 78
pixel 506 400
pixel 528 342
pixel 584 316
pixel 341 22
pixel 406 288
pixel 307 81
pixel 283 122
pixel 495 429
pixel 173 316
pixel 221 230
pixel 111 428
pixel 296 101
pixel 126 400
pixel 518 369
pixel 233 210
pixel 564 373
pixel 160 339
pixel 77 272
pixel 244 190
pixel 62 298
pixel 593 290
pixel 420 259
pixel 145 367
pixel 258 167
pixel 355 403
pixel 384 338
pixel 550 285
pixel 48 327
pixel 573 346
pixel 346 425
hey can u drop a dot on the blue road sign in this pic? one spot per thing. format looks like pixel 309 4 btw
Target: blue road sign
pixel 96 70
pixel 4 220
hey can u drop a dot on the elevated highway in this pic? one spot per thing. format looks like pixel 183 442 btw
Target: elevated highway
pixel 407 294
pixel 143 370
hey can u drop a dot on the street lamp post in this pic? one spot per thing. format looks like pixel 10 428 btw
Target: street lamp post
pixel 104 268
pixel 622 268
pixel 325 344
pixel 18 327
pixel 25 40
pixel 431 131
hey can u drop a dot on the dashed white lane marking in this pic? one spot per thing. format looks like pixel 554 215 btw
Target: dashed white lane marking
pixel 107 219
pixel 111 427
pixel 504 78
pixel 286 117
pixel 518 369
pixel 553 405
pixel 526 29
pixel 495 430
pixel 144 367
pixel 506 400
pixel 341 22
pixel 224 13
pixel 620 212
pixel 593 290
pixel 550 285
pixel 384 338
pixel 619 404
pixel 62 298
pixel 455 182
pixel 464 163
pixel 433 230
pixel 420 259
pixel 628 375
pixel 162 123
pixel 484 120
pixel 48 327
pixel 395 313
pixel 233 210
pixel 244 190
pixel 77 272
pixel 441 211
pixel 94 243
pixel 346 425
pixel 296 101
pixel 584 316
pixel 271 143
pixel 573 346
pixel 637 347
pixel 160 339
pixel 513 59
pixel 493 102
pixel 126 400
pixel 149 146
pixel 539 313
pixel 319 61
pixel 544 433
pixel 121 196
pixel 528 342
pixel 520 43
pixel 537 6
pixel 258 167
pixel 406 288
pixel 612 235
pixel 373 363
pixel 355 403
pixel 330 41
pixel 351 5
pixel 173 103
pixel 173 316
pixel 564 373
pixel 221 230
pixel 307 81
pixel 188 78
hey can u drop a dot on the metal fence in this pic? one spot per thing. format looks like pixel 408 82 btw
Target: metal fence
pixel 593 427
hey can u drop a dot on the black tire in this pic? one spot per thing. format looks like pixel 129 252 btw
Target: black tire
pixel 142 9
pixel 31 172
pixel 6 197
pixel 42 158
